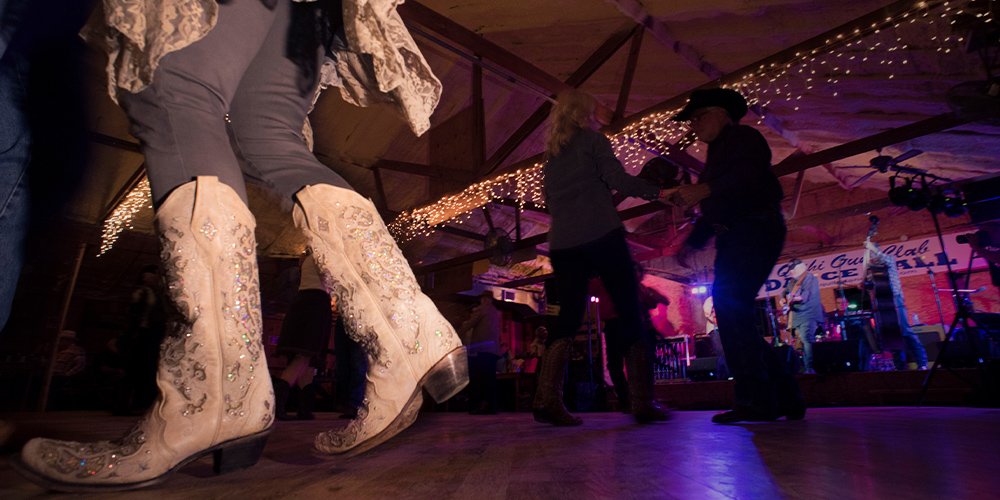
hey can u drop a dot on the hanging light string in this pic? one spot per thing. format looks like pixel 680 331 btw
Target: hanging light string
pixel 879 49
pixel 121 218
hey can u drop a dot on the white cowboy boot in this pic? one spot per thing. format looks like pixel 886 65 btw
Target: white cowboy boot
pixel 215 392
pixel 409 344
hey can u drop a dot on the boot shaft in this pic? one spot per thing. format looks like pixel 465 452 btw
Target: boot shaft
pixel 212 361
pixel 357 256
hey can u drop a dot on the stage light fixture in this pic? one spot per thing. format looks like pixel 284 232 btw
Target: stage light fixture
pixel 956 206
pixel 900 195
pixel 937 202
pixel 919 198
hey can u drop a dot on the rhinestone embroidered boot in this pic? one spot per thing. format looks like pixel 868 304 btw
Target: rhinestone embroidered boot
pixel 409 344
pixel 215 392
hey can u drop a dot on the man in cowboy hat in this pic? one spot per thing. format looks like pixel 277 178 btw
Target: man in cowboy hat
pixel 740 202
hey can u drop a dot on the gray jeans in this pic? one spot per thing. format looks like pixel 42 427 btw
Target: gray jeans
pixel 239 68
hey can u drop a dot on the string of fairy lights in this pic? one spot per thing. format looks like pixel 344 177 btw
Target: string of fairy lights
pixel 121 218
pixel 880 50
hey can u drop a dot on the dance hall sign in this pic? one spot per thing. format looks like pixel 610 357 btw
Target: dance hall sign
pixel 912 257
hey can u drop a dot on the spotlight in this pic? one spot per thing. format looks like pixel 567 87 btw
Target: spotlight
pixel 919 198
pixel 937 202
pixel 953 207
pixel 900 195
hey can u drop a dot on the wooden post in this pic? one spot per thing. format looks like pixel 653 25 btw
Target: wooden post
pixel 44 397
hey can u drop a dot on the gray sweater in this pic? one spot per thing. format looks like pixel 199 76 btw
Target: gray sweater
pixel 578 187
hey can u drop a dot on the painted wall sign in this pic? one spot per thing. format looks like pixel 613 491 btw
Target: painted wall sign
pixel 912 257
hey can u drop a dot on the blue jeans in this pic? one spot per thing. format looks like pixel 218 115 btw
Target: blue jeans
pixel 807 332
pixel 15 154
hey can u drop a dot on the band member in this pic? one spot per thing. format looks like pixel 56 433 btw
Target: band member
pixel 740 199
pixel 874 257
pixel 801 303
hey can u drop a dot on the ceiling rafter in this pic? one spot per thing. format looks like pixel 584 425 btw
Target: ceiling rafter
pixel 629 74
pixel 591 65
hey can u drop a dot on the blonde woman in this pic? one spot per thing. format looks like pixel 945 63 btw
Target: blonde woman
pixel 587 239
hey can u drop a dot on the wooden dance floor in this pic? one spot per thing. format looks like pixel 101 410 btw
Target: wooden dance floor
pixel 836 453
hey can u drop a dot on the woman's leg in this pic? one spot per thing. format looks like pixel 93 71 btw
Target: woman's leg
pixel 180 118
pixel 572 270
pixel 269 110
pixel 617 272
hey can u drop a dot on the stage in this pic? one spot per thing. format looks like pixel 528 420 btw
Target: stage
pixel 835 453
pixel 951 388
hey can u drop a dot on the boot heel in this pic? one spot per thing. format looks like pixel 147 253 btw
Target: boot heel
pixel 240 453
pixel 448 376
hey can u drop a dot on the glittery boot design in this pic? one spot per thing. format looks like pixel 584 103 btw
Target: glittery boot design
pixel 409 344
pixel 215 392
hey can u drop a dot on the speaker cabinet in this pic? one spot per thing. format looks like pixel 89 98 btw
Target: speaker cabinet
pixel 837 357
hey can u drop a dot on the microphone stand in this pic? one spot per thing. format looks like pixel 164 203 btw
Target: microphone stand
pixel 963 312
pixel 930 273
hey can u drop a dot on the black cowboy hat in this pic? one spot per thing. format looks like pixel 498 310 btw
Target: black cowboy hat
pixel 728 99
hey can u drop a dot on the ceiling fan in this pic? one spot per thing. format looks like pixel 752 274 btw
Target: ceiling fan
pixel 884 163
pixel 499 243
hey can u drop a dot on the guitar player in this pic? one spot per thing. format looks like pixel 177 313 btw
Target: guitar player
pixel 801 301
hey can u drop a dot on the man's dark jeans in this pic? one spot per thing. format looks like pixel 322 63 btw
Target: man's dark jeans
pixel 746 251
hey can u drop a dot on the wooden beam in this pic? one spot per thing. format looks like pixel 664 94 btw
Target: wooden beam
pixel 380 189
pixel 425 170
pixel 839 213
pixel 469 258
pixel 591 65
pixel 413 12
pixel 127 188
pixel 115 142
pixel 507 202
pixel 630 65
pixel 517 223
pixel 527 281
pixel 478 121
pixel 889 137
pixel 461 232
pixel 797 192
pixel 489 219
pixel 647 241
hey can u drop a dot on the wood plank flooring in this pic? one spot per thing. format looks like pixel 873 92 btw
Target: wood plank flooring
pixel 836 453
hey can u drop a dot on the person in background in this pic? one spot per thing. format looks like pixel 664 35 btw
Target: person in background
pixel 352 363
pixel 140 343
pixel 305 334
pixel 740 200
pixel 649 298
pixel 69 363
pixel 481 334
pixel 805 309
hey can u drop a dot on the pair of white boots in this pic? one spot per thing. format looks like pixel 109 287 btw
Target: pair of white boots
pixel 215 390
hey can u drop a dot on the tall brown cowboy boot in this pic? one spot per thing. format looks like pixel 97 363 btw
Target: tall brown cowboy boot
pixel 639 364
pixel 548 406
pixel 410 345
pixel 215 392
